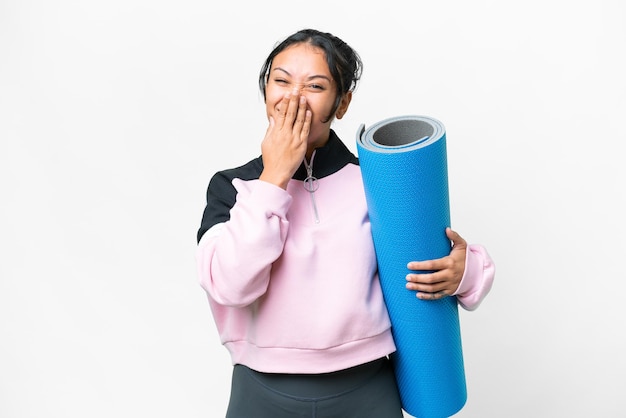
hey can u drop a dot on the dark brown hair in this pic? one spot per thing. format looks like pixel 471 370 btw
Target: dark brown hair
pixel 344 63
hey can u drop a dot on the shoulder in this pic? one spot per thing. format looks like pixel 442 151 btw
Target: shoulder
pixel 221 193
pixel 222 180
pixel 248 171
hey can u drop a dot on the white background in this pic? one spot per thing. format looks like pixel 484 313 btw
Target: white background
pixel 114 115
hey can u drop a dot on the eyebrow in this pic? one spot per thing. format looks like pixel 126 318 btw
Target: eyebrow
pixel 312 77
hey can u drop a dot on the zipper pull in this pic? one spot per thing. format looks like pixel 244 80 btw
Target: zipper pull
pixel 311 185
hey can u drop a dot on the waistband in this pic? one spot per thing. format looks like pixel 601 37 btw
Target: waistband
pixel 319 385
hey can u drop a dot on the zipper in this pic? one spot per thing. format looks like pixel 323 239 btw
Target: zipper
pixel 311 185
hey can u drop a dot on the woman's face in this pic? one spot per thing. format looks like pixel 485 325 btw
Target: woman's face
pixel 303 67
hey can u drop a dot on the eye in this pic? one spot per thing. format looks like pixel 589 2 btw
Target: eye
pixel 280 81
pixel 316 87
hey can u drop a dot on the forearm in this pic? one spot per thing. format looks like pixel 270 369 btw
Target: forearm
pixel 234 258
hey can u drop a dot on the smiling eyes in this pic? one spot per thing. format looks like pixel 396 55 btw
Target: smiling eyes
pixel 310 86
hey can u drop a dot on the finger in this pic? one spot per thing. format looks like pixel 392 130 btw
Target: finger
pixel 427 288
pixel 439 287
pixel 432 282
pixel 431 296
pixel 282 109
pixel 426 278
pixel 429 265
pixel 300 116
pixel 456 239
pixel 306 127
pixel 292 107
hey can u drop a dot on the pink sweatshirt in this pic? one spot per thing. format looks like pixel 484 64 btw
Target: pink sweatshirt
pixel 291 276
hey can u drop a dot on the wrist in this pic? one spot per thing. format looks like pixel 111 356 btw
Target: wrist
pixel 277 180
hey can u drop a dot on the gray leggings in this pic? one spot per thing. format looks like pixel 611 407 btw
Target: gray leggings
pixel 366 391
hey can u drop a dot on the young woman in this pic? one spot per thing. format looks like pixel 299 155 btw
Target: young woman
pixel 286 256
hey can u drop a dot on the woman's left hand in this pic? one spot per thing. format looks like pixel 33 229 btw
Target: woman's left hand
pixel 446 275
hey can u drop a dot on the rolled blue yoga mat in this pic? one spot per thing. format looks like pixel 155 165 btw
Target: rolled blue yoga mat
pixel 404 168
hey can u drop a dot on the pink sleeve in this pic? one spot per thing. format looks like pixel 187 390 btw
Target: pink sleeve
pixel 234 259
pixel 477 278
